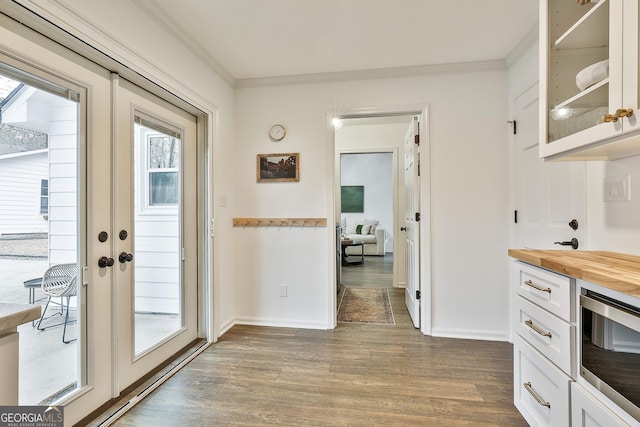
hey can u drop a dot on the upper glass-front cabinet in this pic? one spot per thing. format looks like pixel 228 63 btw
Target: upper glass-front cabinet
pixel 589 79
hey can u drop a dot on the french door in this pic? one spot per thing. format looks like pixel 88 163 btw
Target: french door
pixel 110 176
pixel 155 231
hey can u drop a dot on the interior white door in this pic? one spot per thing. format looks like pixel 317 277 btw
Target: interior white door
pixel 412 225
pixel 549 195
pixel 155 221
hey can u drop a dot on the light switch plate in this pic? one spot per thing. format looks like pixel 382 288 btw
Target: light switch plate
pixel 617 188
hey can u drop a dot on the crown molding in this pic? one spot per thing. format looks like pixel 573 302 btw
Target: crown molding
pixel 56 20
pixel 529 40
pixel 170 25
pixel 379 73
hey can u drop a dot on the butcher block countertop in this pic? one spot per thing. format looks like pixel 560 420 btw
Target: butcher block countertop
pixel 13 315
pixel 620 272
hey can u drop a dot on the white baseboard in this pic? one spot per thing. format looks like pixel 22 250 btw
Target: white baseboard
pixel 226 326
pixel 280 323
pixel 470 334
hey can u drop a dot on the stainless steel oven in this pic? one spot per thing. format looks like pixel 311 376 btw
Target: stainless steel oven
pixel 610 355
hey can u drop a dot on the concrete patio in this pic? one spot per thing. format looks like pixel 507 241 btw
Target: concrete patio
pixel 48 367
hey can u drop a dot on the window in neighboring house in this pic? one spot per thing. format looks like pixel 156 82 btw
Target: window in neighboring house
pixel 44 197
pixel 162 167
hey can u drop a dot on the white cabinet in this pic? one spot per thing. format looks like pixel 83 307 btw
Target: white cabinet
pixel 589 89
pixel 553 292
pixel 544 347
pixel 541 390
pixel 553 337
pixel 587 411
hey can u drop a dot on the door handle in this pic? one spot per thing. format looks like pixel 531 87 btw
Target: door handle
pixel 125 257
pixel 403 228
pixel 573 243
pixel 105 262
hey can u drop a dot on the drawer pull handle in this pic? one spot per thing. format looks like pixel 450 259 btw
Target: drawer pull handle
pixel 530 324
pixel 535 395
pixel 536 287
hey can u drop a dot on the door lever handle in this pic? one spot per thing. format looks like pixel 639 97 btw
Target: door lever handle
pixel 573 243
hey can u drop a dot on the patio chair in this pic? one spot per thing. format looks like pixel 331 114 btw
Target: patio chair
pixel 59 281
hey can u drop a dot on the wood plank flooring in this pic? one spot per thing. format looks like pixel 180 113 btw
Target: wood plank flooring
pixel 355 375
pixel 375 272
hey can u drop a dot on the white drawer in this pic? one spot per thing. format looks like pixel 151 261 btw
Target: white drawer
pixel 587 411
pixel 550 335
pixel 551 291
pixel 541 390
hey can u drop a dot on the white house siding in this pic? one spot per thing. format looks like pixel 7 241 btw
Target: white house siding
pixel 157 244
pixel 157 264
pixel 56 116
pixel 20 177
pixel 63 184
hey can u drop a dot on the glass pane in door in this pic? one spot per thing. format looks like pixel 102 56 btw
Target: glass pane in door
pixel 39 238
pixel 157 224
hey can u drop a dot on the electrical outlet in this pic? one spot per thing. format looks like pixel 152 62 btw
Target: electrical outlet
pixel 283 290
pixel 617 189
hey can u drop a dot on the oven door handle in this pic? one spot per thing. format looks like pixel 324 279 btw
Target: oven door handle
pixel 609 311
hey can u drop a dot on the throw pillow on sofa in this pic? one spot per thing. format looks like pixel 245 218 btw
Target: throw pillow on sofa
pixel 350 226
pixel 373 224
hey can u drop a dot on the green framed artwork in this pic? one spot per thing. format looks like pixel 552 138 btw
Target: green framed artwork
pixel 352 198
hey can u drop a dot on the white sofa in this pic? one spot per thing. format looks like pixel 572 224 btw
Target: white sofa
pixel 371 234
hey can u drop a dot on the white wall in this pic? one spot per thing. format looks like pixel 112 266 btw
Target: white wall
pixel 613 226
pixel 375 172
pixel 469 197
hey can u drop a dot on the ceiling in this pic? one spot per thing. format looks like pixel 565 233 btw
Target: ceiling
pixel 249 39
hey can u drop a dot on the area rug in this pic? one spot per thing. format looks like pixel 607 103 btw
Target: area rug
pixel 365 305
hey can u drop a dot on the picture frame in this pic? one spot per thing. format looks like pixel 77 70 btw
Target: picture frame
pixel 352 198
pixel 279 167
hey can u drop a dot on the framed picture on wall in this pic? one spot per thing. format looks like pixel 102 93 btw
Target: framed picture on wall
pixel 352 198
pixel 284 167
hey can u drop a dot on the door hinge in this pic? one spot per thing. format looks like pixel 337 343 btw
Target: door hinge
pixel 418 294
pixel 515 216
pixel 85 275
pixel 515 126
pixel 416 139
pixel 417 216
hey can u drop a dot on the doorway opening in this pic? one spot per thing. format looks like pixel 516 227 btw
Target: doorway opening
pixel 370 200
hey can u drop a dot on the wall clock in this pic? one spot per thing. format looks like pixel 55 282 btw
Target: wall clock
pixel 277 133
